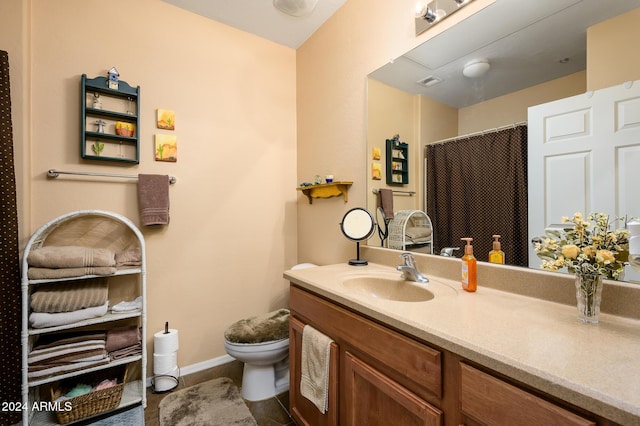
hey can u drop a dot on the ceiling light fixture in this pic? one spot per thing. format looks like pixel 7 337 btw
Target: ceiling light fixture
pixel 476 68
pixel 295 8
pixel 431 12
pixel 428 14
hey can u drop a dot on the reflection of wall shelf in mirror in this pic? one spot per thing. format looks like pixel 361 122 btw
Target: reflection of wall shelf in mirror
pixel 326 190
pixel 114 106
pixel 397 161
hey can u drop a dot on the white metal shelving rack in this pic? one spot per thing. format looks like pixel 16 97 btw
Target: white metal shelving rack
pixel 69 228
pixel 398 240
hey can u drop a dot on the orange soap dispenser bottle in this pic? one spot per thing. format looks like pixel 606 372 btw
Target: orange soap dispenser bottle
pixel 496 255
pixel 469 278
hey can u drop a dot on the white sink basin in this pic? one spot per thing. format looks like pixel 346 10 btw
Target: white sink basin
pixel 389 288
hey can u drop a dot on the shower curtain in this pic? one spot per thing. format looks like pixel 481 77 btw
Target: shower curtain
pixel 476 186
pixel 10 306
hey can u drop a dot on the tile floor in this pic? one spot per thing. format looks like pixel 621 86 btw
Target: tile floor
pixel 271 412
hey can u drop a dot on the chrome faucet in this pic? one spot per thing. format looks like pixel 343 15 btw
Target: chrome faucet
pixel 409 270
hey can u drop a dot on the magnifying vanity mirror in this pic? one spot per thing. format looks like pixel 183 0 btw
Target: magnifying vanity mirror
pixel 536 55
pixel 357 225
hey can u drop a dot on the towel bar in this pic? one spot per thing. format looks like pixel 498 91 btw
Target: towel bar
pixel 52 173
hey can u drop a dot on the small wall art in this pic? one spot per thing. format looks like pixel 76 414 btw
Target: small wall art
pixel 166 119
pixel 166 148
pixel 376 171
pixel 376 155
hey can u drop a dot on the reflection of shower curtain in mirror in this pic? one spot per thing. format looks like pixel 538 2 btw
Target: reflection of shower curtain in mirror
pixel 477 187
pixel 9 258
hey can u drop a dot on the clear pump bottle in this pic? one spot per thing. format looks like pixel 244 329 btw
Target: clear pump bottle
pixel 496 255
pixel 469 275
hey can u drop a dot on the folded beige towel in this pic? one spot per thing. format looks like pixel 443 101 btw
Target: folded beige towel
pixel 57 340
pixel 56 273
pixel 416 232
pixel 95 351
pixel 153 197
pixel 131 257
pixel 314 383
pixel 67 297
pixel 70 257
pixel 56 369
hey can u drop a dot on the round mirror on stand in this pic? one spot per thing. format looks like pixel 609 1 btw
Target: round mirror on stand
pixel 357 225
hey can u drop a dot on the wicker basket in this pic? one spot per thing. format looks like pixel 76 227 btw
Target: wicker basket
pixel 92 403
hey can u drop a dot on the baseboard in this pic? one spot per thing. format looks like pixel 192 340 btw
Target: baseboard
pixel 200 366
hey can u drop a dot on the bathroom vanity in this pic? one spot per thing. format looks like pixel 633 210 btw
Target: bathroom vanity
pixel 405 355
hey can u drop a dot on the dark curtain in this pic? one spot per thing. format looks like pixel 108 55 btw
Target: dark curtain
pixel 10 307
pixel 477 187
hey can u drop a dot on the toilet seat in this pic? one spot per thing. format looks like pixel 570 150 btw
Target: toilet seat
pixel 268 327
pixel 263 346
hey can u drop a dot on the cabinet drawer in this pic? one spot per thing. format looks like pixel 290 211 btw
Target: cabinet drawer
pixel 494 402
pixel 417 366
pixel 374 399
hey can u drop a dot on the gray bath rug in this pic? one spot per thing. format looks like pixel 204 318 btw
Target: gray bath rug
pixel 214 403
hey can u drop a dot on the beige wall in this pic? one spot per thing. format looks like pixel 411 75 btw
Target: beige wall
pixel 391 111
pixel 233 208
pixel 513 107
pixel 611 51
pixel 14 39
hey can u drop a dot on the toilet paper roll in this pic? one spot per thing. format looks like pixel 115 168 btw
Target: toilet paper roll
pixel 164 363
pixel 165 383
pixel 165 343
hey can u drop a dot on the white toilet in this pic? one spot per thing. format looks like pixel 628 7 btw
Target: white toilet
pixel 262 344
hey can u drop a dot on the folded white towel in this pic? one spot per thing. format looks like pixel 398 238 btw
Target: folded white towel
pixel 43 320
pixel 314 383
pixel 134 305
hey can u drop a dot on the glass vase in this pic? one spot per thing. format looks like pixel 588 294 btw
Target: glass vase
pixel 589 296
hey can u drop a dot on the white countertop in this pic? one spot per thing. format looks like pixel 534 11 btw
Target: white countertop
pixel 537 342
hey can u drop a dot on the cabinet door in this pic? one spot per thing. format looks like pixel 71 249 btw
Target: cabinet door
pixel 372 398
pixel 304 411
pixel 494 402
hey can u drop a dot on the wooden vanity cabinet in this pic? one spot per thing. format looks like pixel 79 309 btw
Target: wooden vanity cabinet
pixel 377 376
pixel 380 376
pixel 491 401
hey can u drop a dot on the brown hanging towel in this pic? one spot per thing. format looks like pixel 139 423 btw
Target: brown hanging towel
pixel 153 197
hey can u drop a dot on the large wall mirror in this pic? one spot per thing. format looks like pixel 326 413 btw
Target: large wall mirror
pixel 536 52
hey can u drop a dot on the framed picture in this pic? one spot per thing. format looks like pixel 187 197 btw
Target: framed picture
pixel 166 119
pixel 376 171
pixel 166 148
pixel 376 154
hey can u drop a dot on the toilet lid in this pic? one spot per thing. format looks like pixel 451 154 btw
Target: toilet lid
pixel 259 329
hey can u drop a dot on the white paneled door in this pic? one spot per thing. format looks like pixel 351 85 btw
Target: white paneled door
pixel 584 156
